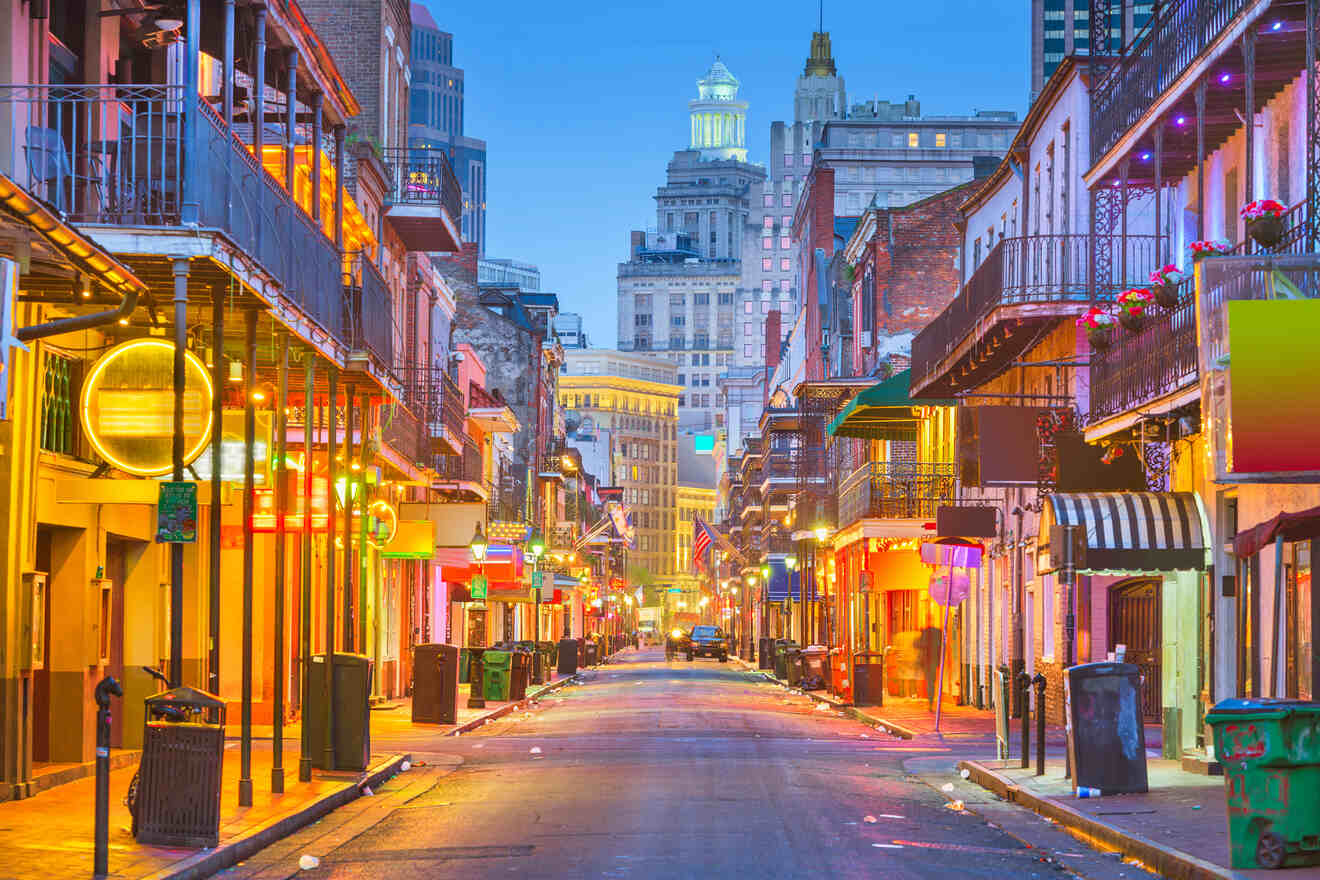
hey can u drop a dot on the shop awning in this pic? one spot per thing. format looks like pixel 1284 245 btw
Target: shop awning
pixel 1300 526
pixel 1130 532
pixel 885 411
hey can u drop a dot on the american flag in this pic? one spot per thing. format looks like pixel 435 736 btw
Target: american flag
pixel 701 541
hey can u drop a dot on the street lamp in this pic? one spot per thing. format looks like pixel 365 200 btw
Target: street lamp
pixel 822 532
pixel 476 680
pixel 536 547
pixel 790 562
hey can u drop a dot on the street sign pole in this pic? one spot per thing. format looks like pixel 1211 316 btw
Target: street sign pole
pixel 944 646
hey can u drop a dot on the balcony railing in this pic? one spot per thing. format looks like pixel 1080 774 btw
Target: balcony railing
pixel 403 432
pixel 423 177
pixel 895 490
pixel 466 467
pixel 1161 358
pixel 115 154
pixel 779 465
pixel 1178 32
pixel 368 311
pixel 1033 269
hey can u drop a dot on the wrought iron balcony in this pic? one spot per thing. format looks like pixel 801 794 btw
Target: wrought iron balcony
pixel 1178 34
pixel 465 467
pixel 895 490
pixel 404 433
pixel 116 154
pixel 425 199
pixel 368 311
pixel 434 396
pixel 1034 272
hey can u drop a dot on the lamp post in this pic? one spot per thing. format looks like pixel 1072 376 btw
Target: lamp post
pixel 536 546
pixel 790 563
pixel 821 532
pixel 476 680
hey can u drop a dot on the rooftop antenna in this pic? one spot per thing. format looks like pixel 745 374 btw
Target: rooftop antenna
pixel 821 30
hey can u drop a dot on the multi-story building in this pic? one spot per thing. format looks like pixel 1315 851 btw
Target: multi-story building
pixel 676 292
pixel 1060 28
pixel 635 398
pixel 436 117
pixel 568 327
pixel 695 498
pixel 508 273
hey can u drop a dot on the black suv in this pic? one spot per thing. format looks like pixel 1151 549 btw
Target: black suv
pixel 708 641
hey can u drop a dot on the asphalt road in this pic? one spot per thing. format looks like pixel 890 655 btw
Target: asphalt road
pixel 654 769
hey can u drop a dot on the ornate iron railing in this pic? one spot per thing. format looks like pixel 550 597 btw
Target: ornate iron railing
pixel 1178 33
pixel 895 490
pixel 423 177
pixel 368 310
pixel 1031 269
pixel 466 467
pixel 403 432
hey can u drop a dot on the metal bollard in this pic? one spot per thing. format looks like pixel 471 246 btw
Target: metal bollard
pixel 1024 709
pixel 1039 682
pixel 106 689
pixel 476 680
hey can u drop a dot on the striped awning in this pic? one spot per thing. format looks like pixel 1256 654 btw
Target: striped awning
pixel 1130 532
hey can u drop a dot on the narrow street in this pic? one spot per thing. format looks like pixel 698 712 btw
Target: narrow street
pixel 655 769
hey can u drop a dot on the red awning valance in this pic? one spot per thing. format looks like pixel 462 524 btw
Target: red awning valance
pixel 1300 526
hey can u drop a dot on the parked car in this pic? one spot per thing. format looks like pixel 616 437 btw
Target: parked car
pixel 708 641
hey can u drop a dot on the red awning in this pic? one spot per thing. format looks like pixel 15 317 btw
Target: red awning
pixel 1300 526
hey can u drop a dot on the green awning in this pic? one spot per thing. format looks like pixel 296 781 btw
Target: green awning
pixel 885 411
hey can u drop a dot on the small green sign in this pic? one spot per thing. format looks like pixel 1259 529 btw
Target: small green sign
pixel 674 590
pixel 176 513
pixel 537 579
pixel 478 586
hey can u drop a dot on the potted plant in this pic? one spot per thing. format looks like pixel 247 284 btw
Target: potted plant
pixel 1164 285
pixel 1211 247
pixel 1264 221
pixel 1099 326
pixel 1132 305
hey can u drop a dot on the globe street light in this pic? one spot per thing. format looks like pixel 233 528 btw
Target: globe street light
pixel 536 547
pixel 476 680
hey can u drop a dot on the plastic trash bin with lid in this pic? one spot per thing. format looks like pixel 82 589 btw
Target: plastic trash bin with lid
pixel 765 653
pixel 568 656
pixel 184 739
pixel 814 672
pixel 435 684
pixel 868 678
pixel 496 668
pixel 520 673
pixel 1106 729
pixel 793 665
pixel 840 682
pixel 590 653
pixel 781 656
pixel 1270 750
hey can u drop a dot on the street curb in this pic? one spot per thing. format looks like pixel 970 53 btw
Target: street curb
pixel 245 845
pixel 1170 863
pixel 550 688
pixel 890 727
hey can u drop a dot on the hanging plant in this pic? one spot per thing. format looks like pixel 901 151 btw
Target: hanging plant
pixel 1210 247
pixel 1264 221
pixel 1132 305
pixel 1099 326
pixel 1164 285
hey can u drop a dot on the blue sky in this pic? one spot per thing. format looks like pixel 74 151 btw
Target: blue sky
pixel 582 105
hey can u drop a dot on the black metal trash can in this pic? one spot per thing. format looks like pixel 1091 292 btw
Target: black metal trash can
pixel 352 733
pixel 1106 731
pixel 793 665
pixel 568 656
pixel 590 655
pixel 435 684
pixel 815 668
pixel 520 674
pixel 869 678
pixel 765 651
pixel 178 790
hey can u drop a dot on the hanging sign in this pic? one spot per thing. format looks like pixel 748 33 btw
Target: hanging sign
pixel 957 555
pixel 479 587
pixel 942 593
pixel 127 407
pixel 176 513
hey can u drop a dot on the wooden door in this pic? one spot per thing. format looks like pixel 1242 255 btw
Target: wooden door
pixel 1134 621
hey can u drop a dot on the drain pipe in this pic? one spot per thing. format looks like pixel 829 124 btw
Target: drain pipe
pixel 82 322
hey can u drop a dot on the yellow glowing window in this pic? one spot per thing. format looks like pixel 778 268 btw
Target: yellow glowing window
pixel 913 140
pixel 939 139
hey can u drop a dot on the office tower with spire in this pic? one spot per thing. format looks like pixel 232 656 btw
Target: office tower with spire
pixel 676 291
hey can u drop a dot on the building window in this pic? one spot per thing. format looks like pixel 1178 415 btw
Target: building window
pixel 785 264
pixel 768 200
pixel 701 299
pixel 641 320
pixel 748 348
pixel 765 306
pixel 939 139
pixel 784 243
pixel 767 244
pixel 788 200
pixel 678 320
pixel 914 140
pixel 788 158
pixel 767 264
pixel 765 285
pixel 725 299
pixel 767 222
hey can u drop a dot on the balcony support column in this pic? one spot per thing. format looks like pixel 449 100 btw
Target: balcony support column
pixel 305 563
pixel 1093 242
pixel 281 547
pixel 218 292
pixel 1200 158
pixel 189 200
pixel 177 450
pixel 227 109
pixel 350 642
pixel 1124 171
pixel 1312 85
pixel 259 84
pixel 339 187
pixel 1249 116
pixel 1159 187
pixel 331 528
pixel 249 507
pixel 317 101
pixel 362 404
pixel 290 120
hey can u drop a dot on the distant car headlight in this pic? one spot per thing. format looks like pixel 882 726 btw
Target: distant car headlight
pixel 678 634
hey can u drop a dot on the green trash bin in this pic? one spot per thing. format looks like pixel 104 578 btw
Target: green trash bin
pixel 1270 750
pixel 781 656
pixel 496 667
pixel 464 658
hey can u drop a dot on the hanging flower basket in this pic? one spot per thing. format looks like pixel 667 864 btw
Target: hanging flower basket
pixel 1267 231
pixel 1209 248
pixel 1164 285
pixel 1132 305
pixel 1099 326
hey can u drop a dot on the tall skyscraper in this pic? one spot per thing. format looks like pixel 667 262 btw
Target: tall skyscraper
pixel 435 118
pixel 677 289
pixel 1060 28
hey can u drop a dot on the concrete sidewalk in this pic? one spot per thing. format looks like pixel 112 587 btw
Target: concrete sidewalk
pixel 50 835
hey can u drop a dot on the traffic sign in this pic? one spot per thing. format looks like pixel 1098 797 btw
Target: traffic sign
pixel 537 579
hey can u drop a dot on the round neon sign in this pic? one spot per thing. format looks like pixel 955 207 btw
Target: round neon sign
pixel 385 522
pixel 127 407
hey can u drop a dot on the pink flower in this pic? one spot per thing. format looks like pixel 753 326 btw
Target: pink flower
pixel 1095 318
pixel 1261 208
pixel 1169 274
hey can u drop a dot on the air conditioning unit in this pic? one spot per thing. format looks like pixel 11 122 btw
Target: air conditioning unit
pixel 864 338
